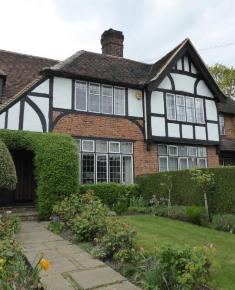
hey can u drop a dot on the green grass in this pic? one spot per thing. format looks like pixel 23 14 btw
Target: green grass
pixel 160 231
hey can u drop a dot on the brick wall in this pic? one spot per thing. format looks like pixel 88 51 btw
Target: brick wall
pixel 229 122
pixel 87 125
pixel 213 157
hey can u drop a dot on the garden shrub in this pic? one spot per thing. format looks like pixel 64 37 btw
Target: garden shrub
pixel 197 215
pixel 115 195
pixel 118 242
pixel 175 212
pixel 7 169
pixel 224 222
pixel 221 198
pixel 56 164
pixel 172 268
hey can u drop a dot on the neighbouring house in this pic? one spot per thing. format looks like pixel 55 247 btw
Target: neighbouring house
pixel 128 117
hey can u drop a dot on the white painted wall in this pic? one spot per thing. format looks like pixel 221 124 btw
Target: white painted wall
pixel 165 84
pixel 179 64
pixel 186 63
pixel 157 103
pixel 43 104
pixel 183 83
pixel 31 120
pixel 200 133
pixel 43 88
pixel 203 90
pixel 213 132
pixel 2 120
pixel 135 106
pixel 211 110
pixel 193 68
pixel 62 93
pixel 13 117
pixel 187 131
pixel 173 130
pixel 158 126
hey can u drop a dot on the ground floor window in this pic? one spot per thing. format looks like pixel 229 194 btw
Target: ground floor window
pixel 172 157
pixel 105 161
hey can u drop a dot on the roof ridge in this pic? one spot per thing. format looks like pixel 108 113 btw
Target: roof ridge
pixel 68 60
pixel 29 55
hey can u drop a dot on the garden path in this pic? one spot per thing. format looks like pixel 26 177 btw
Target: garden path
pixel 71 267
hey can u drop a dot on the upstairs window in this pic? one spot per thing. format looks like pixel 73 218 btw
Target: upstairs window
pixel 185 109
pixel 221 125
pixel 96 98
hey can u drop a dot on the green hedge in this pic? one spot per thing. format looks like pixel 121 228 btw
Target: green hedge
pixel 114 195
pixel 7 169
pixel 56 164
pixel 221 198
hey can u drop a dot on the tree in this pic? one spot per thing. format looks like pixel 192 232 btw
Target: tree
pixel 168 184
pixel 205 181
pixel 225 78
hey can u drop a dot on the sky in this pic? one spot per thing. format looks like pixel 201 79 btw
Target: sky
pixel 58 28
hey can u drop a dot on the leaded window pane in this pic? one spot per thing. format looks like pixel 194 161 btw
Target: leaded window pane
pixel 163 164
pixel 88 168
pixel 180 108
pixel 199 108
pixel 78 142
pixel 192 162
pixel 127 169
pixel 101 168
pixel 201 152
pixel 162 149
pixel 101 146
pixel 170 105
pixel 173 150
pixel 107 100
pixel 183 151
pixel 88 145
pixel 114 168
pixel 81 96
pixel 94 98
pixel 192 151
pixel 202 163
pixel 183 163
pixel 114 147
pixel 119 101
pixel 173 163
pixel 190 109
pixel 126 148
pixel 221 125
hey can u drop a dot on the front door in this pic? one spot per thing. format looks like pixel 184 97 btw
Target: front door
pixel 25 189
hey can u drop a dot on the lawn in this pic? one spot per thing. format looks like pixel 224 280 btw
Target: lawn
pixel 163 231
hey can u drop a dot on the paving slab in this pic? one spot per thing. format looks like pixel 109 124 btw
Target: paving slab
pixel 94 278
pixel 71 267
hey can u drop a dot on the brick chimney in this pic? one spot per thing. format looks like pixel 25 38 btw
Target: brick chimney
pixel 112 42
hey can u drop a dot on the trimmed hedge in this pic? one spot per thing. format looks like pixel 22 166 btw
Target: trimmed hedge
pixel 7 169
pixel 115 195
pixel 221 199
pixel 55 161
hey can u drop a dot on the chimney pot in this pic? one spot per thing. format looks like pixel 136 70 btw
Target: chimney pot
pixel 112 42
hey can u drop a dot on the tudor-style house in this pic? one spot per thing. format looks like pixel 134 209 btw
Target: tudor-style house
pixel 127 117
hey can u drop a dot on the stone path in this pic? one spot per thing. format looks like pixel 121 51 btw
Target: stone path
pixel 71 267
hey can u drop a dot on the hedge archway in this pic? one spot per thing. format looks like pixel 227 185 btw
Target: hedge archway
pixel 55 161
pixel 7 169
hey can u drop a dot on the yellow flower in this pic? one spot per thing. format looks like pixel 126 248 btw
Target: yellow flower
pixel 1 261
pixel 1 268
pixel 44 264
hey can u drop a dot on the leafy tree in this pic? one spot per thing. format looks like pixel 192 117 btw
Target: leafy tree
pixel 225 78
pixel 205 181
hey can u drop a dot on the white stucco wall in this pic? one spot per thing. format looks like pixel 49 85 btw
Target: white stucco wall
pixel 187 131
pixel 165 84
pixel 158 126
pixel 43 104
pixel 157 103
pixel 62 93
pixel 211 110
pixel 173 130
pixel 135 103
pixel 13 117
pixel 213 132
pixel 2 120
pixel 43 88
pixel 203 90
pixel 183 83
pixel 31 120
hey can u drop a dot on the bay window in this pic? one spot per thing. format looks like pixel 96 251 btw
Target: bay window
pixel 190 109
pixel 107 100
pixel 170 104
pixel 180 108
pixel 106 161
pixel 81 96
pixel 199 109
pixel 172 157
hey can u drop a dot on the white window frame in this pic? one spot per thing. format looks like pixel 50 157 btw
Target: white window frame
pixel 177 106
pixel 131 147
pixel 194 114
pixel 101 99
pixel 114 101
pixel 107 166
pixel 132 168
pixel 107 146
pixel 202 158
pixel 179 166
pixel 172 146
pixel 75 101
pixel 120 156
pixel 189 155
pixel 90 84
pixel 163 157
pixel 112 142
pixel 203 111
pixel 85 140
pixel 167 110
pixel 200 154
pixel 166 149
pixel 221 122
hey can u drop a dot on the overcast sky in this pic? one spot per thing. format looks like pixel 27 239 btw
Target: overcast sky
pixel 58 28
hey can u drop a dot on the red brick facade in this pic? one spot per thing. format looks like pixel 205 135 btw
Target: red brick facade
pixel 229 124
pixel 97 126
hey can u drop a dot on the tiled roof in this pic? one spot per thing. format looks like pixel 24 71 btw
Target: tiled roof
pixel 227 107
pixel 21 70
